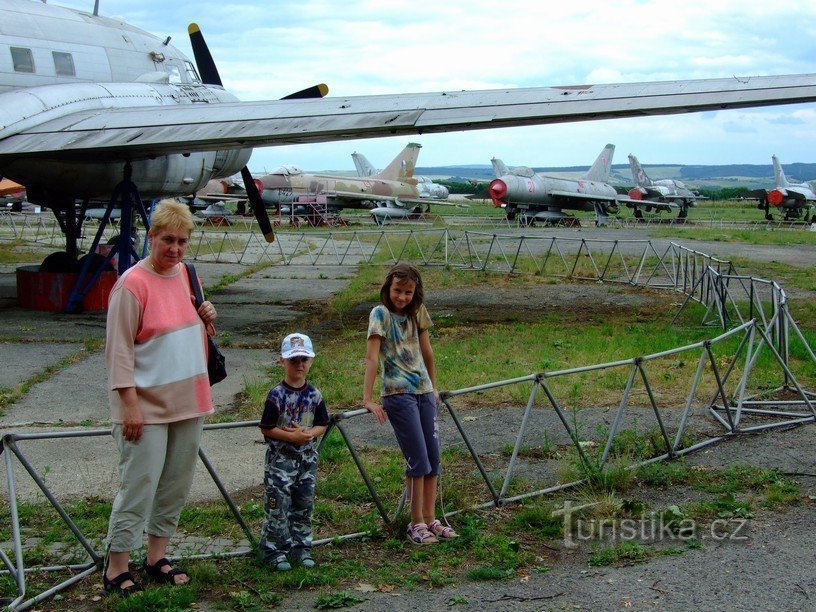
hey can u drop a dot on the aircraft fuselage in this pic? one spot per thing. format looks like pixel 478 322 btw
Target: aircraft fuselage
pixel 517 192
pixel 55 62
pixel 282 188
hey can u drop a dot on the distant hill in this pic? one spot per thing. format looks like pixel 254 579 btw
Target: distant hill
pixel 695 175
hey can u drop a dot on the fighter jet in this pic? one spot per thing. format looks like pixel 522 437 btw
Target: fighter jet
pixel 792 199
pixel 663 190
pixel 88 103
pixel 424 184
pixel 541 198
pixel 395 185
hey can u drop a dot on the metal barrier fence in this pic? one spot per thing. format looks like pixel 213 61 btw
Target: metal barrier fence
pixel 759 305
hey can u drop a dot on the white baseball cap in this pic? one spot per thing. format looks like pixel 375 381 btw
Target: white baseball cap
pixel 297 345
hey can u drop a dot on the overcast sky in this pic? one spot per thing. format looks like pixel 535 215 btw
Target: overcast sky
pixel 265 50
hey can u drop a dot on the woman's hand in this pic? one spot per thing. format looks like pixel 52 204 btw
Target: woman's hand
pixel 207 312
pixel 375 409
pixel 132 423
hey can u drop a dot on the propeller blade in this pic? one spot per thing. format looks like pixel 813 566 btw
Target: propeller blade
pixel 315 91
pixel 257 205
pixel 204 60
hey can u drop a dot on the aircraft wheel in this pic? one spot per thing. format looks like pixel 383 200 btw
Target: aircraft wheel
pixel 768 216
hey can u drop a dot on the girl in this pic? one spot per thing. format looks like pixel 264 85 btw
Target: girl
pixel 398 336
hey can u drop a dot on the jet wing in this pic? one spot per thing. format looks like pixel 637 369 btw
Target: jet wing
pixel 571 195
pixel 131 133
pixel 352 196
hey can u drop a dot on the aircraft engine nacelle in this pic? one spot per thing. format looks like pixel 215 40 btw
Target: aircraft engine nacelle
pixel 776 197
pixel 497 191
pixel 637 193
pixel 166 175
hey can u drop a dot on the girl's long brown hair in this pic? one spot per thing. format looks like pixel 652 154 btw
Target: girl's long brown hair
pixel 403 272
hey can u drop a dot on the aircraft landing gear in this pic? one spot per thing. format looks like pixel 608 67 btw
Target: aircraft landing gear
pixel 127 195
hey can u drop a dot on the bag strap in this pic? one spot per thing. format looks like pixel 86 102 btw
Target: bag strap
pixel 195 284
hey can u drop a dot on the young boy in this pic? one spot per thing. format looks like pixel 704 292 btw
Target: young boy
pixel 294 416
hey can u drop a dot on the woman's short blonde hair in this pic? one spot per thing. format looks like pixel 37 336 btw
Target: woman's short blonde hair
pixel 171 215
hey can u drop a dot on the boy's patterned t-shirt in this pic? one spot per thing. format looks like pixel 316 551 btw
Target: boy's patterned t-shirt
pixel 286 405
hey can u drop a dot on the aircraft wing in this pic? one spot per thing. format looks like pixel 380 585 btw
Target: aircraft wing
pixel 352 196
pixel 131 133
pixel 571 195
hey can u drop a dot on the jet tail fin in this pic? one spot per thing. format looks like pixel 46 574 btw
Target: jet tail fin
pixel 638 173
pixel 499 168
pixel 779 174
pixel 402 167
pixel 364 167
pixel 602 167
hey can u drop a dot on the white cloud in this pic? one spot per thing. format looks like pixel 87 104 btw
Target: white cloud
pixel 265 50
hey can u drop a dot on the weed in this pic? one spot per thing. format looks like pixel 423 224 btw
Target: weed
pixel 456 600
pixel 161 599
pixel 537 519
pixel 628 552
pixel 341 599
pixel 489 573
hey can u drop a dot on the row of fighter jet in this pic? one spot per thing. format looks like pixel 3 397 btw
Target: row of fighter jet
pixel 395 192
pixel 543 198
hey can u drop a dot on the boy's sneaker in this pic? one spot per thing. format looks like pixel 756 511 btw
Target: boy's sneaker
pixel 280 564
pixel 308 562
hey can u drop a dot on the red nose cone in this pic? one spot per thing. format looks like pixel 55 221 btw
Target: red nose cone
pixel 775 197
pixel 635 194
pixel 258 185
pixel 497 191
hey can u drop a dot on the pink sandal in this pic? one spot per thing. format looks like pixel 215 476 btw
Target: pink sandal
pixel 418 534
pixel 442 532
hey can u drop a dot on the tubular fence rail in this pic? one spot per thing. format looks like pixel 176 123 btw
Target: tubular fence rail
pixel 752 312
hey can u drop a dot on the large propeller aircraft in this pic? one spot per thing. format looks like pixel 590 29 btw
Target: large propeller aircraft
pixel 541 198
pixel 794 200
pixel 662 190
pixel 88 102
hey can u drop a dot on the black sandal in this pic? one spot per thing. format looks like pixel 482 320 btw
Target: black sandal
pixel 114 585
pixel 155 572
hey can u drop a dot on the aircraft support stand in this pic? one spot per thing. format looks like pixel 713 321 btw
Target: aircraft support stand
pixel 127 193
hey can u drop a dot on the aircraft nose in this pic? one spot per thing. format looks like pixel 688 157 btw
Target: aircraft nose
pixel 497 191
pixel 258 185
pixel 775 197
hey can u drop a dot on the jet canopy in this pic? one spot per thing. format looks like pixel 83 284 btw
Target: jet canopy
pixel 287 170
pixel 523 171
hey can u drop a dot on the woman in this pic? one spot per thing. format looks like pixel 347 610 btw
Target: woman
pixel 159 395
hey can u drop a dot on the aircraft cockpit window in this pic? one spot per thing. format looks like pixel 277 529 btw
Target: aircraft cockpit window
pixel 523 171
pixel 23 59
pixel 175 75
pixel 63 63
pixel 192 75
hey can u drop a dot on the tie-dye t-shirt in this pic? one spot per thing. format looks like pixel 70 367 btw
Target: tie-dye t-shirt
pixel 286 405
pixel 403 368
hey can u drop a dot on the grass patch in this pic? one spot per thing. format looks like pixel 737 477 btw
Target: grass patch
pixel 628 552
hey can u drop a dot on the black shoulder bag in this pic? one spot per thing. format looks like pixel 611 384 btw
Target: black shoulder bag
pixel 216 363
